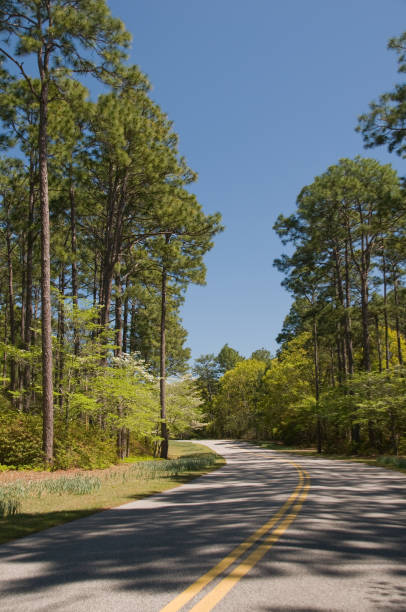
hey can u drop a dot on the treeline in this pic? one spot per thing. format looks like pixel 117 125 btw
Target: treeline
pixel 339 379
pixel 99 237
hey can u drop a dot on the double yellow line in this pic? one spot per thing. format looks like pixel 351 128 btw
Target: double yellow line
pixel 282 519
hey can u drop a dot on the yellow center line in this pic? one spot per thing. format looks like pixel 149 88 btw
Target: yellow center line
pixel 226 584
pixel 183 598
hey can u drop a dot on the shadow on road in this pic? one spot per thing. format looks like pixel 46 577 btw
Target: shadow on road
pixel 354 515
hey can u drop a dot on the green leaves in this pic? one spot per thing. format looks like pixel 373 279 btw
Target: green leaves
pixel 66 36
pixel 384 124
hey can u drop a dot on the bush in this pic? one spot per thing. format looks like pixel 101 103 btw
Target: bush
pixel 76 447
pixel 392 461
pixel 20 439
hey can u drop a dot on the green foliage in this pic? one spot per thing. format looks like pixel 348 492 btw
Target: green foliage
pixel 20 439
pixel 206 373
pixel 373 400
pixel 392 461
pixel 235 405
pixel 227 358
pixel 384 123
pixel 78 446
pixel 261 354
pixel 287 394
pixel 121 213
pixel 184 408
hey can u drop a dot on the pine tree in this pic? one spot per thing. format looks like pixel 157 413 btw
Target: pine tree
pixel 56 33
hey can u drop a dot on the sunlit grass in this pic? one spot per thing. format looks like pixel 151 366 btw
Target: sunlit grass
pixel 43 504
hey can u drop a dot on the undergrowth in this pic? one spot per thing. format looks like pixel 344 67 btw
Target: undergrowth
pixel 392 461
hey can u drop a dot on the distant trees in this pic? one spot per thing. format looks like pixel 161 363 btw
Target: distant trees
pixel 227 358
pixel 338 379
pixel 235 406
pixel 343 341
pixel 221 381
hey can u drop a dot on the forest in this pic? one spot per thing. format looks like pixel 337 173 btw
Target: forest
pixel 338 381
pixel 101 234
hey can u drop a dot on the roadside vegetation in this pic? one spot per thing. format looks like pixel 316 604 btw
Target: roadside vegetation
pixel 34 502
pixel 100 235
pixel 338 380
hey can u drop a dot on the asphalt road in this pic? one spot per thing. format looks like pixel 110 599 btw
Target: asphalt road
pixel 267 532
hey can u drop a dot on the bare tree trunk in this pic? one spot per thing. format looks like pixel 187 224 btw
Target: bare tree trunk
pixel 385 312
pixel 46 311
pixel 347 323
pixel 5 342
pixel 397 325
pixel 61 337
pixel 95 281
pixel 29 283
pixel 162 382
pixel 74 273
pixel 340 297
pixel 119 317
pixel 366 360
pixel 332 367
pixel 339 358
pixel 317 382
pixel 125 317
pixel 11 306
pixel 23 283
pixel 133 345
pixel 378 343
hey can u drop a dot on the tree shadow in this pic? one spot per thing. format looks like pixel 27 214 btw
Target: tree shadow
pixel 157 547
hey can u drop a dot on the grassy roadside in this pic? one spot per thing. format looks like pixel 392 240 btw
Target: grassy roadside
pixel 39 513
pixel 388 463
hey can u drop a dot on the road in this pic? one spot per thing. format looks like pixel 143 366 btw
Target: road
pixel 267 532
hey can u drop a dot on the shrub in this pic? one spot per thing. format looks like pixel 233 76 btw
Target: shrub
pixel 20 439
pixel 76 446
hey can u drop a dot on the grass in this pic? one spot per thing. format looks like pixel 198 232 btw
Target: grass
pixel 37 505
pixel 389 462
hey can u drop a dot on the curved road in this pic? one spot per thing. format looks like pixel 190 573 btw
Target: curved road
pixel 267 532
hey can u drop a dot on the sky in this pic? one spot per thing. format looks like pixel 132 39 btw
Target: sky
pixel 265 96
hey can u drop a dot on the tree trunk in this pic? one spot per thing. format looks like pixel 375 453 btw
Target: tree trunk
pixel 46 312
pixel 385 312
pixel 378 343
pixel 28 286
pixel 162 382
pixel 133 344
pixel 366 358
pixel 95 281
pixel 119 317
pixel 397 325
pixel 11 306
pixel 74 273
pixel 61 338
pixel 5 342
pixel 347 320
pixel 332 367
pixel 125 318
pixel 340 297
pixel 317 382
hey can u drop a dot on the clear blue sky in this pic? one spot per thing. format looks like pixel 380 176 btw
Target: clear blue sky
pixel 264 96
